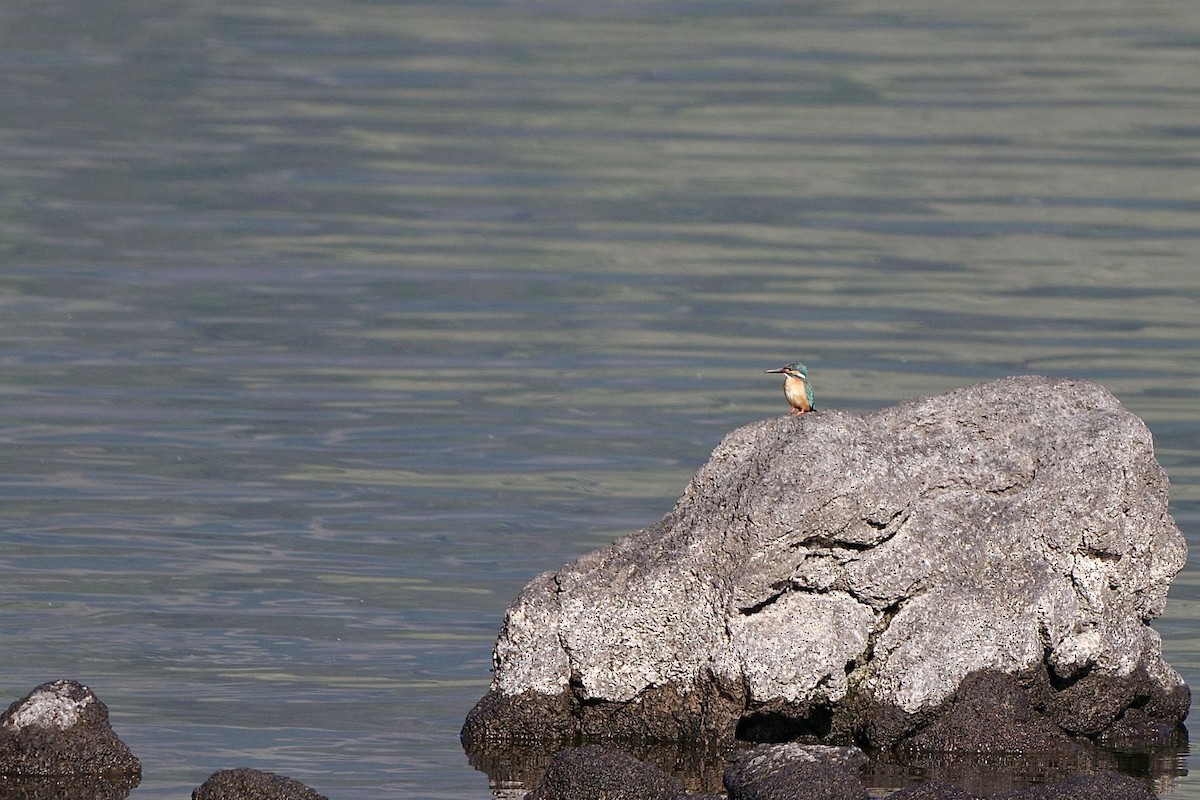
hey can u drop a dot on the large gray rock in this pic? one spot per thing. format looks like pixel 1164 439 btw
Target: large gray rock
pixel 843 575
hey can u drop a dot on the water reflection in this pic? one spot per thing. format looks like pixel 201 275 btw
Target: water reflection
pixel 1162 764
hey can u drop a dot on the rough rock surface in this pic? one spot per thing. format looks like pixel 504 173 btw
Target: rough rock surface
pixel 796 772
pixel 61 728
pixel 839 575
pixel 993 712
pixel 589 772
pixel 244 783
pixel 933 790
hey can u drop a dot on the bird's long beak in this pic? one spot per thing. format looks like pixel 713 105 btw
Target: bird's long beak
pixel 781 369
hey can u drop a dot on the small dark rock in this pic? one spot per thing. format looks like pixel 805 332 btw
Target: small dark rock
pixel 590 772
pixel 244 783
pixel 61 728
pixel 796 772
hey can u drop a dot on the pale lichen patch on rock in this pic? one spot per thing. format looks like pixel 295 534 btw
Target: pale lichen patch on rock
pixel 50 706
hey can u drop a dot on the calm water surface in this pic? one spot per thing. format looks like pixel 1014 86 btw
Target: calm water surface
pixel 324 326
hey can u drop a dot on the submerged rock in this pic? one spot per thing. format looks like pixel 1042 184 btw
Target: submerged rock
pixel 56 742
pixel 796 772
pixel 840 577
pixel 244 783
pixel 590 772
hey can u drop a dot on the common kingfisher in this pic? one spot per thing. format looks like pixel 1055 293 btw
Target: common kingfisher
pixel 796 388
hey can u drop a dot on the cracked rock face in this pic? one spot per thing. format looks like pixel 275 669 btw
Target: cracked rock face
pixel 848 573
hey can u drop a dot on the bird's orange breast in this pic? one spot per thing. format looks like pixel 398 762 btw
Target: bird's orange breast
pixel 794 390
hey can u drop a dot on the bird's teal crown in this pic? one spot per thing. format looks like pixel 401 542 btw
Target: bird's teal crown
pixel 798 368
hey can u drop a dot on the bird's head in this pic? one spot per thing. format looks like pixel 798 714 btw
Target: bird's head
pixel 793 370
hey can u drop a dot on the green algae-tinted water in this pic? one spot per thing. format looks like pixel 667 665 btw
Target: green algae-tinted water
pixel 327 325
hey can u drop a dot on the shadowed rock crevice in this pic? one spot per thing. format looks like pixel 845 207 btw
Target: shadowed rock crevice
pixel 847 578
pixel 786 724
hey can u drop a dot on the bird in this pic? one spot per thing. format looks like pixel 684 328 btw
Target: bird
pixel 796 388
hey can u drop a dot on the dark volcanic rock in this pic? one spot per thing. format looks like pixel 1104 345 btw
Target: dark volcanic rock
pixel 56 744
pixel 590 772
pixel 840 576
pixel 796 772
pixel 244 783
pixel 61 728
pixel 992 712
pixel 933 790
